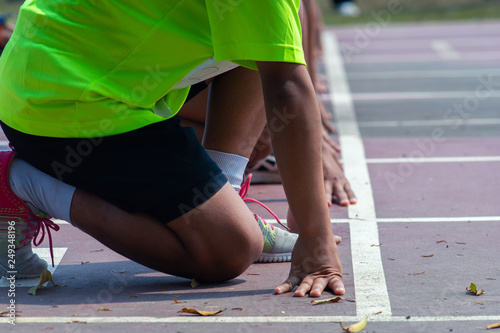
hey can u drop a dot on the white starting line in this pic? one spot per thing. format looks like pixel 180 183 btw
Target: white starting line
pixel 248 320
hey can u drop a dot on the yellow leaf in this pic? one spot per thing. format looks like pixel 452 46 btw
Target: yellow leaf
pixel 489 327
pixel 355 327
pixel 473 289
pixel 194 283
pixel 103 309
pixel 328 300
pixel 46 276
pixel 201 313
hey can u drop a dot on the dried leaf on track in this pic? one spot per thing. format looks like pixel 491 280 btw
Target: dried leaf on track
pixel 417 273
pixel 103 309
pixel 427 255
pixel 328 300
pixel 7 313
pixel 359 326
pixel 201 313
pixel 473 289
pixel 46 276
pixel 178 302
pixel 489 327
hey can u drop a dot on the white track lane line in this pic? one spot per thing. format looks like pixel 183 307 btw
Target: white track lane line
pixel 460 219
pixel 423 43
pixel 44 254
pixel 402 95
pixel 418 58
pixel 430 122
pixel 424 74
pixel 380 220
pixel 231 320
pixel 445 50
pixel 369 278
pixel 457 159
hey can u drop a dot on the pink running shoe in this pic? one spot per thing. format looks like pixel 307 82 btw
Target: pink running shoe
pixel 18 226
pixel 278 243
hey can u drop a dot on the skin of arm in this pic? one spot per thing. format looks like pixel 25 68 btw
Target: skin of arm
pixel 295 124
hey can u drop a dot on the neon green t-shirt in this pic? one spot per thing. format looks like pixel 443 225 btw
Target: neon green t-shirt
pixel 93 68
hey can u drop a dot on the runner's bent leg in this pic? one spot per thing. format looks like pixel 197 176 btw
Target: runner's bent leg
pixel 215 241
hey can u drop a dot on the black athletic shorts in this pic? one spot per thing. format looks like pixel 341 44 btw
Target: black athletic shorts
pixel 160 169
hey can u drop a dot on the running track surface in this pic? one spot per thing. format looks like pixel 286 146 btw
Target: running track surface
pixel 416 109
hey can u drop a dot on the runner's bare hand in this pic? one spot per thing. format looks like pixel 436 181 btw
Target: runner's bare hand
pixel 315 267
pixel 336 184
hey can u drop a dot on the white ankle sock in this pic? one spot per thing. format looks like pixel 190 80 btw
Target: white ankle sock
pixel 232 166
pixel 40 190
